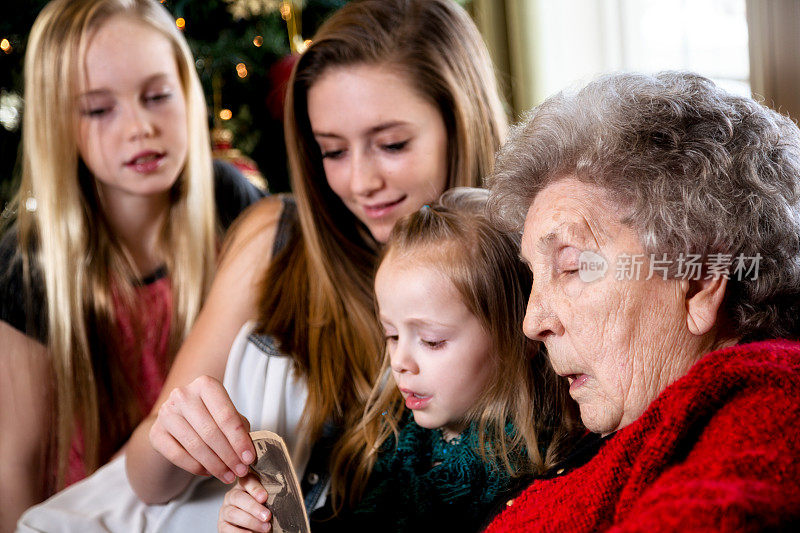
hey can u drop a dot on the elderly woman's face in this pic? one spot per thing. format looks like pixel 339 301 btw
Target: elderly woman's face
pixel 619 342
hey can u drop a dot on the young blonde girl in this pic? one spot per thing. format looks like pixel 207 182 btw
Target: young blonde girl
pixel 115 238
pixel 467 403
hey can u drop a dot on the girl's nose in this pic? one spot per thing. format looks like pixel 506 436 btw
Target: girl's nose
pixel 364 176
pixel 139 124
pixel 402 360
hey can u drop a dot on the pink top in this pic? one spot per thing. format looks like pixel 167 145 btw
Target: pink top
pixel 155 299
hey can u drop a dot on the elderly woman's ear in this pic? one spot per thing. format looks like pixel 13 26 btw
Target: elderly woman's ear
pixel 703 300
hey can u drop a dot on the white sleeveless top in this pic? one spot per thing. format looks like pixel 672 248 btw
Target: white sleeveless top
pixel 264 388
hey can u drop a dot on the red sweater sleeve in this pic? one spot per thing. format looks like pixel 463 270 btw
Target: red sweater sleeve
pixel 743 472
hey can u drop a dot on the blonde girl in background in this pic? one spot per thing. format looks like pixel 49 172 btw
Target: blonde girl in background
pixel 114 243
pixel 469 404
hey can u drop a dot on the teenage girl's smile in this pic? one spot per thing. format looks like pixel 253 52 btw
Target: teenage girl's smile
pixel 379 210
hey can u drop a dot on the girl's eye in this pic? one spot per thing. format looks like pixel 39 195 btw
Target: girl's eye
pixel 332 154
pixel 395 147
pixel 156 98
pixel 434 344
pixel 391 338
pixel 96 112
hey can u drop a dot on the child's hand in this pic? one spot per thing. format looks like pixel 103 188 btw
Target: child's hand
pixel 243 508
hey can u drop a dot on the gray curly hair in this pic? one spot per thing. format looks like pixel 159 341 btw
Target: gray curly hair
pixel 692 168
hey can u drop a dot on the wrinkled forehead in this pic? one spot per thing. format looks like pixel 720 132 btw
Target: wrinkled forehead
pixel 571 211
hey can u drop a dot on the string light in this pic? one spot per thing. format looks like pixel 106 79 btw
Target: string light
pixel 225 114
pixel 286 10
pixel 5 46
pixel 180 23
pixel 258 41
pixel 241 70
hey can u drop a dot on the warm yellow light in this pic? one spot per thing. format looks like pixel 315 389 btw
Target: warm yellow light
pixel 286 10
pixel 300 45
pixel 258 41
pixel 241 70
pixel 225 114
pixel 5 46
pixel 180 23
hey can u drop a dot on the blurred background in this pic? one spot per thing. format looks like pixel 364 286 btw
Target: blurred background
pixel 245 50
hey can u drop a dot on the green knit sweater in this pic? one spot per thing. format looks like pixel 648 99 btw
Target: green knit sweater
pixel 428 484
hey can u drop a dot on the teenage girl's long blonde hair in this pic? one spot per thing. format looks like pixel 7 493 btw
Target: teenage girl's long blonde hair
pixel 317 296
pixel 68 240
pixel 455 236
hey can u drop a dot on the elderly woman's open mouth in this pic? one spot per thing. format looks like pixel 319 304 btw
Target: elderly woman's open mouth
pixel 660 216
pixel 576 380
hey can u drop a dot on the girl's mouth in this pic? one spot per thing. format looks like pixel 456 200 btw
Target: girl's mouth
pixel 145 162
pixel 382 209
pixel 416 401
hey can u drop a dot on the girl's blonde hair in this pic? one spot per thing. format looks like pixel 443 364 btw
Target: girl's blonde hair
pixel 68 240
pixel 317 296
pixel 455 236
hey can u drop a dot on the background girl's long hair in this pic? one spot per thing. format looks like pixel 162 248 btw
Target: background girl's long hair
pixel 68 240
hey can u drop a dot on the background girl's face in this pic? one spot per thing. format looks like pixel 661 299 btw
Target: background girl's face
pixel 440 353
pixel 384 147
pixel 132 131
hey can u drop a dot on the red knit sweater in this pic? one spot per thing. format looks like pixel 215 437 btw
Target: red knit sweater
pixel 718 450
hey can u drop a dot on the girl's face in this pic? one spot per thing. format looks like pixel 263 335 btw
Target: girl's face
pixel 440 354
pixel 132 131
pixel 384 147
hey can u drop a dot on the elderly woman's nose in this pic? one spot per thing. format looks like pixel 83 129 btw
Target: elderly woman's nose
pixel 540 321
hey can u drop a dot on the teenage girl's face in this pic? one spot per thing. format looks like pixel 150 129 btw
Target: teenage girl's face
pixel 384 146
pixel 132 112
pixel 440 353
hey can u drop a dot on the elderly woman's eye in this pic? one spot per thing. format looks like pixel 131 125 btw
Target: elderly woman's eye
pixel 568 260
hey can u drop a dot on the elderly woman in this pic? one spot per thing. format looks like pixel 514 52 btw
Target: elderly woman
pixel 661 220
